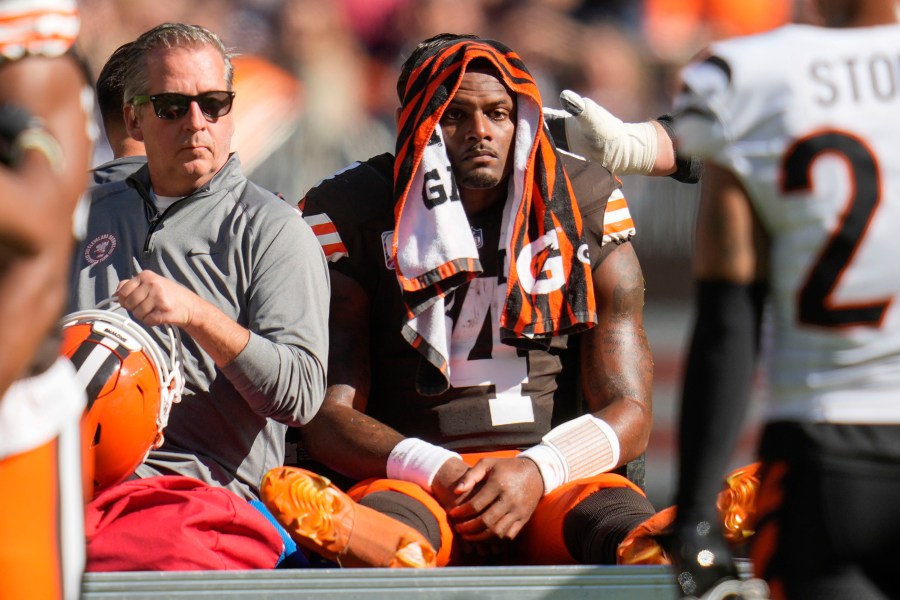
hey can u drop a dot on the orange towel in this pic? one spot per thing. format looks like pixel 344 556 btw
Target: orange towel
pixel 549 289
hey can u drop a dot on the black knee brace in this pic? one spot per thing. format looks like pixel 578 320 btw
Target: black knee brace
pixel 407 510
pixel 595 527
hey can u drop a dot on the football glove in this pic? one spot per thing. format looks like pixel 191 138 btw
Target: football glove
pixel 595 133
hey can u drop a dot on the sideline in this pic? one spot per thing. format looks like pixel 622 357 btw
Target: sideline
pixel 454 583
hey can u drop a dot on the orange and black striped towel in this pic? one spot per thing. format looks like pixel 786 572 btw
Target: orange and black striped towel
pixel 549 289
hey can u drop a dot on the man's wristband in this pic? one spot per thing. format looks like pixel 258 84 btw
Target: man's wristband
pixel 576 449
pixel 417 461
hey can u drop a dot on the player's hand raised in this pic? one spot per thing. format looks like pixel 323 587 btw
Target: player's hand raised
pixel 598 135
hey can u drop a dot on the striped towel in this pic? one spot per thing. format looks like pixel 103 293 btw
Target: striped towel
pixel 549 289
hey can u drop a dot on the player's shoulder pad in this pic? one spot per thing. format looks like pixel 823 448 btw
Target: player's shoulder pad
pixel 345 208
pixel 708 76
pixel 591 182
pixel 741 62
pixel 364 189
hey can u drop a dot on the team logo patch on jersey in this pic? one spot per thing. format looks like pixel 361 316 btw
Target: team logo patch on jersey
pixel 100 248
pixel 387 241
pixel 478 234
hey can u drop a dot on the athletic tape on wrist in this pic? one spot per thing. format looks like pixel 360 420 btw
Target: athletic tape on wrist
pixel 580 448
pixel 417 461
pixel 636 150
pixel 623 148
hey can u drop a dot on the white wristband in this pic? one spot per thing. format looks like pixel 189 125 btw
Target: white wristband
pixel 417 461
pixel 579 448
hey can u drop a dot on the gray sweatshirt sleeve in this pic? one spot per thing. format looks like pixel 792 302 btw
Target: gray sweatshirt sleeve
pixel 281 372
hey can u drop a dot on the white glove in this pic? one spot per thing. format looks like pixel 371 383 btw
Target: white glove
pixel 595 133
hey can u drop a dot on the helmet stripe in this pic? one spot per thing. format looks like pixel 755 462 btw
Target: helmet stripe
pixel 96 363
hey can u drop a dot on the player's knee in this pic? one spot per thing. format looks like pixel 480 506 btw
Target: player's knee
pixel 594 528
pixel 407 510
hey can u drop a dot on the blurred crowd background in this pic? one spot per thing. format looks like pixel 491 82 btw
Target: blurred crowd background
pixel 316 82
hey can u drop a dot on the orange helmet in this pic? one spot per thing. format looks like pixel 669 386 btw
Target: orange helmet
pixel 130 386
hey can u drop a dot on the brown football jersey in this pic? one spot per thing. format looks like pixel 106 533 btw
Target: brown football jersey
pixel 500 396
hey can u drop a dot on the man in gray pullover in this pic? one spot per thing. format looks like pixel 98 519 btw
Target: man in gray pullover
pixel 188 241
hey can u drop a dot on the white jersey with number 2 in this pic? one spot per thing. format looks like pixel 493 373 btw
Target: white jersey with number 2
pixel 808 119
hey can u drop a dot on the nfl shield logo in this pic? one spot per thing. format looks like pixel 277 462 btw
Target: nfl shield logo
pixel 387 239
pixel 479 237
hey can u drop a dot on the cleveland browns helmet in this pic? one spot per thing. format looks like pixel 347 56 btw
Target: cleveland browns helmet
pixel 130 385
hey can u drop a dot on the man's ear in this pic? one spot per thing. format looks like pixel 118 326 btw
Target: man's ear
pixel 132 122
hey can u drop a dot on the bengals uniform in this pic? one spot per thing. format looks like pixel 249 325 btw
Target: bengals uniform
pixel 805 118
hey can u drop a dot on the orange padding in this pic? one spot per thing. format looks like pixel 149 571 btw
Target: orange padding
pixel 540 542
pixel 30 550
pixel 769 500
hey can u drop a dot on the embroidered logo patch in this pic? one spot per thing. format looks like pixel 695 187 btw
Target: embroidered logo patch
pixel 478 234
pixel 387 240
pixel 100 248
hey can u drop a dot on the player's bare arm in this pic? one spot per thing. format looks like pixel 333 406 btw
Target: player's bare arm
pixel 36 206
pixel 665 156
pixel 616 362
pixel 729 239
pixel 341 435
pixel 47 87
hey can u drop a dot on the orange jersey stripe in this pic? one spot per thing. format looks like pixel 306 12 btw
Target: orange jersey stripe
pixel 618 226
pixel 327 235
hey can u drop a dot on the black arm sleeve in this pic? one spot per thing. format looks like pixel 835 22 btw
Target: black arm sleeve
pixel 717 385
pixel 687 168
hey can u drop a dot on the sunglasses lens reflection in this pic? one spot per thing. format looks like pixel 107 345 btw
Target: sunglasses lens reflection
pixel 175 106
pixel 170 106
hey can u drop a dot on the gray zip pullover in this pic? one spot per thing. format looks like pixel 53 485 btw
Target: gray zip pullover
pixel 251 254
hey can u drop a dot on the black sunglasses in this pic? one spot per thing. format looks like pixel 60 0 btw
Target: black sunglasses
pixel 171 106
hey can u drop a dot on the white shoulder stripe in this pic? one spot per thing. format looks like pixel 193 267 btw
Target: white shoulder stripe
pixel 319 219
pixel 617 216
